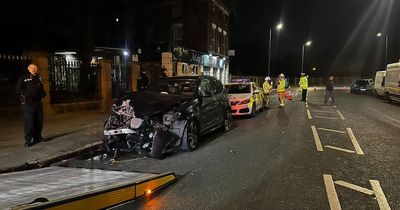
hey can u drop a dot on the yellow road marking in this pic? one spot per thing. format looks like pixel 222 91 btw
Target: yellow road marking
pixel 331 192
pixel 354 142
pixel 380 196
pixel 340 115
pixel 331 130
pixel 316 139
pixel 355 187
pixel 309 114
pixel 339 149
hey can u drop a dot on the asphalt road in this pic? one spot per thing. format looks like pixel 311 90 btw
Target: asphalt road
pixel 271 161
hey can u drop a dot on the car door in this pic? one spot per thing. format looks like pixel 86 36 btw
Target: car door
pixel 209 105
pixel 221 101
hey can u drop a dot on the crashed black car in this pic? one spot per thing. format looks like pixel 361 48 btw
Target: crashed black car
pixel 170 114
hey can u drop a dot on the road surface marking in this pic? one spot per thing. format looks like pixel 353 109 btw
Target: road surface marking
pixel 329 118
pixel 340 149
pixel 309 114
pixel 331 130
pixel 334 106
pixel 354 142
pixel 306 105
pixel 322 111
pixel 355 187
pixel 331 192
pixel 380 196
pixel 340 115
pixel 316 139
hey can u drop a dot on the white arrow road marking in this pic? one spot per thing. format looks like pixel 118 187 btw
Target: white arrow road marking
pixel 355 187
pixel 340 115
pixel 380 196
pixel 331 192
pixel 328 118
pixel 339 149
pixel 316 139
pixel 331 130
pixel 309 114
pixel 354 142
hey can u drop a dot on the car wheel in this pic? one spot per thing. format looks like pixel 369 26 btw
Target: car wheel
pixel 159 143
pixel 253 110
pixel 190 136
pixel 387 98
pixel 227 121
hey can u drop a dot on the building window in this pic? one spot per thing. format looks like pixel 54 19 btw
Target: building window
pixel 176 11
pixel 213 36
pixel 177 34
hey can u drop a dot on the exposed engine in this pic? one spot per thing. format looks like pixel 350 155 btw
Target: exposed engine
pixel 148 135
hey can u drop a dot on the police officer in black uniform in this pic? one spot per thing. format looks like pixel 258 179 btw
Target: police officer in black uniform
pixel 30 90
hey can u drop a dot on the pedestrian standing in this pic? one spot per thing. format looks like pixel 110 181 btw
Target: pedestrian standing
pixel 267 87
pixel 281 89
pixel 143 81
pixel 31 92
pixel 304 86
pixel 329 91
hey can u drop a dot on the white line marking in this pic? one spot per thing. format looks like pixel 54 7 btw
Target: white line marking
pixel 316 139
pixel 306 105
pixel 331 130
pixel 329 118
pixel 334 106
pixel 340 149
pixel 340 115
pixel 309 114
pixel 354 142
pixel 355 187
pixel 322 111
pixel 380 196
pixel 331 192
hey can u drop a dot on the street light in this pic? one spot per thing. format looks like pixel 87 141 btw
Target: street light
pixel 307 44
pixel 386 45
pixel 314 69
pixel 278 27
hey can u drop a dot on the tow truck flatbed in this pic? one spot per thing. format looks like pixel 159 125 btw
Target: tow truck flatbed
pixel 76 188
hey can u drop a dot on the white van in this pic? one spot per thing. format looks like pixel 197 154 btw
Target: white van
pixel 379 85
pixel 392 82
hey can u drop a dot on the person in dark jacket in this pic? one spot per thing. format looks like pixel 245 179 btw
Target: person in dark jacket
pixel 31 92
pixel 329 91
pixel 143 81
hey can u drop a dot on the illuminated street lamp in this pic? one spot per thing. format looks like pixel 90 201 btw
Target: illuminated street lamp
pixel 307 44
pixel 278 27
pixel 386 45
pixel 314 69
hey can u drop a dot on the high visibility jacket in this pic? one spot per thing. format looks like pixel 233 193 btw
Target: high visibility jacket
pixel 281 86
pixel 267 87
pixel 303 82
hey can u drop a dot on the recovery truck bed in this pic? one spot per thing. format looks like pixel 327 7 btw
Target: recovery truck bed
pixel 76 188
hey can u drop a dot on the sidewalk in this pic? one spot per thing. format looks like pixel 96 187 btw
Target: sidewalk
pixel 64 134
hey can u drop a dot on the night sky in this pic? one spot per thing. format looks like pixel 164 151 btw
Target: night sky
pixel 343 34
pixel 343 31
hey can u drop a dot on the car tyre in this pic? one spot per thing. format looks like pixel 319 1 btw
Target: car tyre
pixel 227 126
pixel 387 98
pixel 159 143
pixel 190 136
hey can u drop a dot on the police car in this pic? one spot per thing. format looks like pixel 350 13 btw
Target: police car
pixel 245 98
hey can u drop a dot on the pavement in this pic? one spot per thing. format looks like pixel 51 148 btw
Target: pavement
pixel 305 156
pixel 65 136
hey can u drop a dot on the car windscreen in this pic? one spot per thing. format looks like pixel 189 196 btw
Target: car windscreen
pixel 175 87
pixel 238 88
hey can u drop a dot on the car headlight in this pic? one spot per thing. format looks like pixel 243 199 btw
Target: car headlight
pixel 245 101
pixel 169 117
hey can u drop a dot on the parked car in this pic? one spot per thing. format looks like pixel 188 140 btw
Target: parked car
pixel 392 82
pixel 245 98
pixel 170 114
pixel 362 86
pixel 380 83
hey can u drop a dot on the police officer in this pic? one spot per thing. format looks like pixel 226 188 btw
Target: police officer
pixel 30 90
pixel 267 87
pixel 281 90
pixel 304 86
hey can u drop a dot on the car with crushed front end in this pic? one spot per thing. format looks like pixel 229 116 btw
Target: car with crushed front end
pixel 171 114
pixel 245 98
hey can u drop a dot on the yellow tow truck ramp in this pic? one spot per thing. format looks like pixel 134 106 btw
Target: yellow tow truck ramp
pixel 76 188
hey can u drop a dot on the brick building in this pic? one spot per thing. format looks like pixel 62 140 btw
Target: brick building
pixel 190 36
